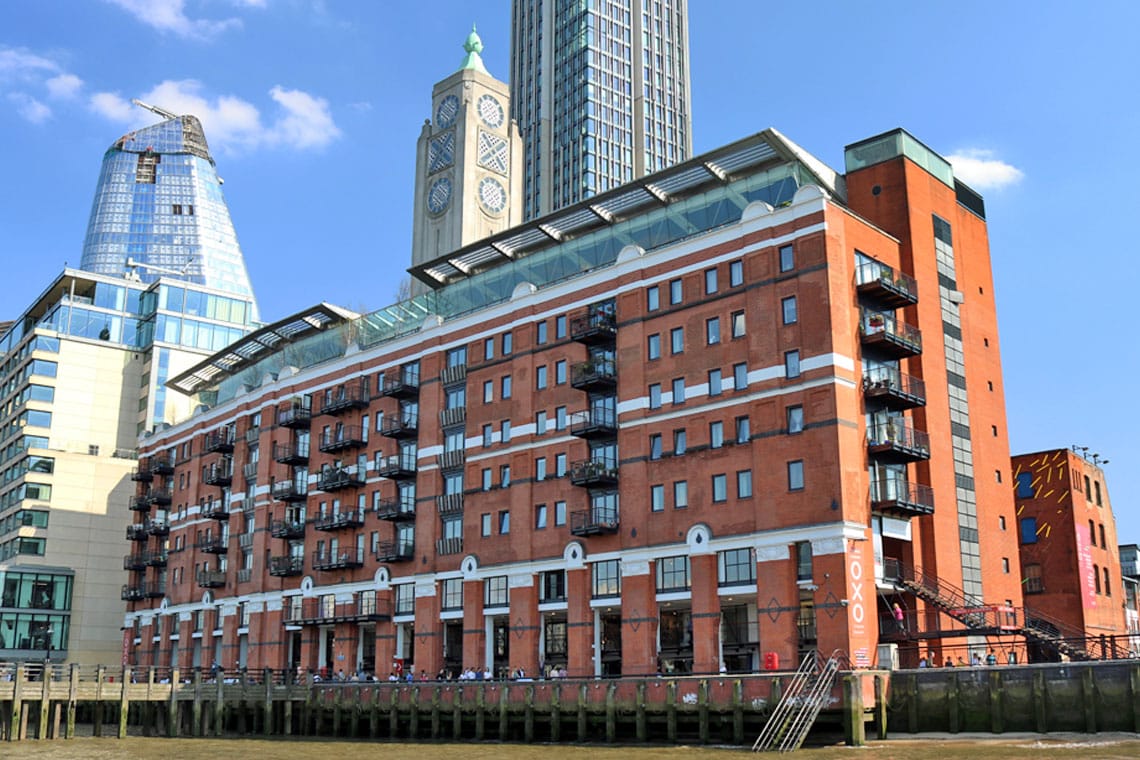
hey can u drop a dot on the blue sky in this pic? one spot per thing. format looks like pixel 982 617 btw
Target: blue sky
pixel 312 109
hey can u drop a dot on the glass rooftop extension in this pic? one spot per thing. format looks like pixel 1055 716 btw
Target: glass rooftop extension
pixel 898 142
pixel 702 194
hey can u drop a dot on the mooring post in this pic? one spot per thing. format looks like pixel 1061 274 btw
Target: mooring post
pixel 100 677
pixel 45 703
pixel 555 712
pixel 196 714
pixel 583 722
pixel 703 710
pixel 15 730
pixel 611 713
pixel 880 707
pixel 172 728
pixel 671 711
pixel 480 711
pixel 642 727
pixel 435 708
pixel 219 718
pixel 124 701
pixel 912 703
pixel 393 712
pixel 504 708
pixel 72 700
pixel 854 732
pixel 738 712
pixel 528 714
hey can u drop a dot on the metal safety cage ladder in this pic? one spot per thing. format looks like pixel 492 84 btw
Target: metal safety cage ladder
pixel 793 718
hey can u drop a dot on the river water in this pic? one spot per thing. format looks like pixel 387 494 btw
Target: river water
pixel 1101 747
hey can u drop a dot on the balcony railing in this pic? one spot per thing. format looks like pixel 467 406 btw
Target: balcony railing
pixel 135 561
pixel 288 490
pixel 594 521
pixel 133 592
pixel 594 375
pixel 889 287
pixel 162 464
pixel 341 559
pixel 401 385
pixel 286 566
pixel 456 415
pixel 142 474
pixel 341 439
pixel 249 471
pixel 400 426
pixel 139 504
pixel 213 544
pixel 396 510
pixel 449 504
pixel 137 532
pixel 449 546
pixel 339 478
pixel 158 526
pixel 594 473
pixel 287 528
pixel 456 373
pixel 252 435
pixel 211 578
pixel 896 440
pixel 339 520
pixel 889 334
pixel 220 440
pixel 218 474
pixel 156 557
pixel 160 496
pixel 316 611
pixel 216 510
pixel 291 453
pixel 893 388
pixel 900 496
pixel 594 328
pixel 594 423
pixel 397 467
pixel 346 398
pixel 295 417
pixel 395 551
pixel 451 460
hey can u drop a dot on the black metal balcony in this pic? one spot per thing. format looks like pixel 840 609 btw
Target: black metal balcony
pixel 594 423
pixel 154 590
pixel 156 558
pixel 339 520
pixel 595 521
pixel 449 504
pixel 402 385
pixel 135 561
pixel 286 566
pixel 142 474
pixel 395 551
pixel 344 399
pixel 287 528
pixel 318 611
pixel 134 592
pixel 594 473
pixel 158 526
pixel 342 439
pixel 220 440
pixel 162 464
pixel 249 471
pixel 137 532
pixel 889 335
pixel 139 504
pixel 291 453
pixel 252 435
pixel 400 426
pixel 294 417
pixel 896 440
pixel 451 460
pixel 456 415
pixel 901 497
pixel 216 510
pixel 218 474
pixel 338 478
pixel 449 546
pixel 159 496
pixel 211 578
pixel 396 510
pixel 397 467
pixel 594 375
pixel 893 389
pixel 288 490
pixel 213 544
pixel 342 559
pixel 455 373
pixel 596 327
pixel 887 286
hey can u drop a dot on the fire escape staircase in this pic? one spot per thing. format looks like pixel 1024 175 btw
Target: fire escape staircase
pixel 807 693
pixel 976 615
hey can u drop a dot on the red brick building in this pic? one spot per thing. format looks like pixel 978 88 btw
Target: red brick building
pixel 1070 560
pixel 701 419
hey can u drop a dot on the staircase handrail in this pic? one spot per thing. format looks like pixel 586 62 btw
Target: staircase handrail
pixel 778 720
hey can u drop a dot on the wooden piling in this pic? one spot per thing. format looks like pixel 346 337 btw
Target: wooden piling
pixel 854 731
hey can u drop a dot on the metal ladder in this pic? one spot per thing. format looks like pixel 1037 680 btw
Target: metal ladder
pixel 806 695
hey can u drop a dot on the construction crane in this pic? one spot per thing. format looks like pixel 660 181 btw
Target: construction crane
pixel 154 109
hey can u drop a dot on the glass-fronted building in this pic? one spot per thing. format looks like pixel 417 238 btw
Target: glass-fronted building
pixel 159 211
pixel 600 91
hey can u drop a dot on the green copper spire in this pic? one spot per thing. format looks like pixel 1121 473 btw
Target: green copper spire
pixel 474 46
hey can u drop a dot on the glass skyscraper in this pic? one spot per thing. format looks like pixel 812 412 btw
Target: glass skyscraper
pixel 600 91
pixel 159 211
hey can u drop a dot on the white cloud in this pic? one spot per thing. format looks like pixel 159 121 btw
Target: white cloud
pixel 20 63
pixel 981 170
pixel 30 108
pixel 64 86
pixel 170 16
pixel 231 123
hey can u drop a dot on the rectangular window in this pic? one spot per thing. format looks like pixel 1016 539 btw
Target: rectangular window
pixel 655 396
pixel 676 293
pixel 788 310
pixel 488 349
pixel 487 435
pixel 796 475
pixel 716 434
pixel 485 524
pixel 560 326
pixel 452 593
pixel 1033 582
pixel 457 357
pixel 487 479
pixel 712 331
pixel 680 494
pixel 540 333
pixel 540 377
pixel 652 298
pixel 735 273
pixel 679 442
pixel 504 522
pixel 795 418
pixel 654 347
pixel 710 281
pixel 505 434
pixel 560 465
pixel 716 386
pixel 559 418
pixel 803 561
pixel 677 340
pixel 540 423
pixel 791 364
pixel 505 387
pixel 673 574
pixel 719 488
pixel 657 498
pixel 504 476
pixel 540 517
pixel 735 567
pixel 787 258
pixel 743 432
pixel 678 391
pixel 740 376
pixel 655 446
pixel 540 468
pixel 606 578
pixel 559 513
pixel 737 320
pixel 1025 485
pixel 507 344
pixel 744 484
pixel 488 391
pixel 560 372
pixel 495 592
